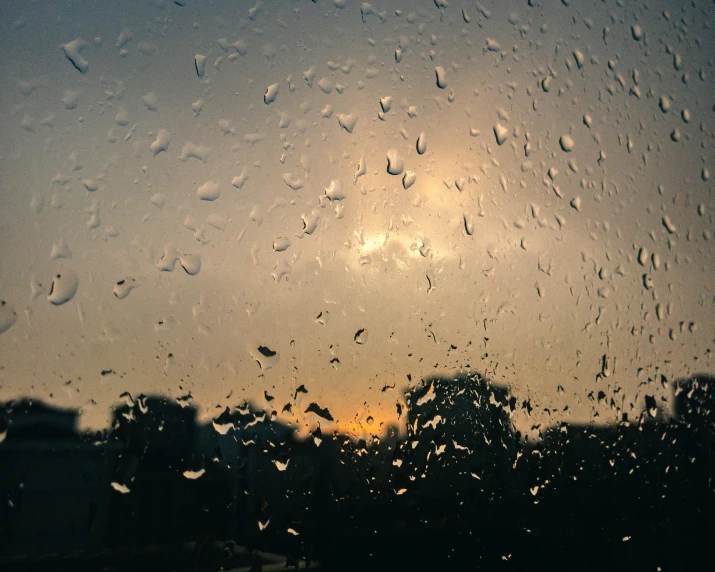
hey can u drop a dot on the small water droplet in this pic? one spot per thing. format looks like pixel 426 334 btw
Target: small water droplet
pixel 659 312
pixel 348 121
pixel 664 104
pixel 200 65
pixel 500 133
pixel 73 52
pixel 310 222
pixel 70 100
pixel 209 191
pixel 493 45
pixel 468 223
pixel 124 287
pixel 567 143
pixel 441 77
pixel 193 475
pixel 642 256
pixel 281 243
pixel 669 226
pixel 335 191
pixel 191 263
pixel 361 169
pixel 60 250
pixel 8 316
pixel 271 93
pixel 293 181
pixel 191 150
pixel 161 143
pixel 266 357
pixel 282 467
pixel 151 101
pixel 655 260
pixel 240 180
pixel 580 58
pixel 120 488
pixel 360 336
pixel 421 143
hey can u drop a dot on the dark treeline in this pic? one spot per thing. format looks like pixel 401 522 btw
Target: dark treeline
pixel 157 490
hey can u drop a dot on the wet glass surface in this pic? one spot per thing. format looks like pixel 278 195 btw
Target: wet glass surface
pixel 352 284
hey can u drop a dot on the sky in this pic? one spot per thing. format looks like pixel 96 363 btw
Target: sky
pixel 234 199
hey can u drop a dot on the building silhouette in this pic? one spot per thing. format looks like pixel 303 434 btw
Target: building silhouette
pixel 159 489
pixel 55 482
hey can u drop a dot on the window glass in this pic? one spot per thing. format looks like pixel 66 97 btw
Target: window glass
pixel 265 263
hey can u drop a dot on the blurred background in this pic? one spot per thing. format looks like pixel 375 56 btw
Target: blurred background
pixel 244 239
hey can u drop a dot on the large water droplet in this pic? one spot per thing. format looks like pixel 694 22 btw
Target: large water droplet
pixel 64 287
pixel 395 163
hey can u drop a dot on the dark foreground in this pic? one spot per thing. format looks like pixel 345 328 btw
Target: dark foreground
pixel 462 491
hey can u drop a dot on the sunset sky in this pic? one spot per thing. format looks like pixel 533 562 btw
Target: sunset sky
pixel 242 198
